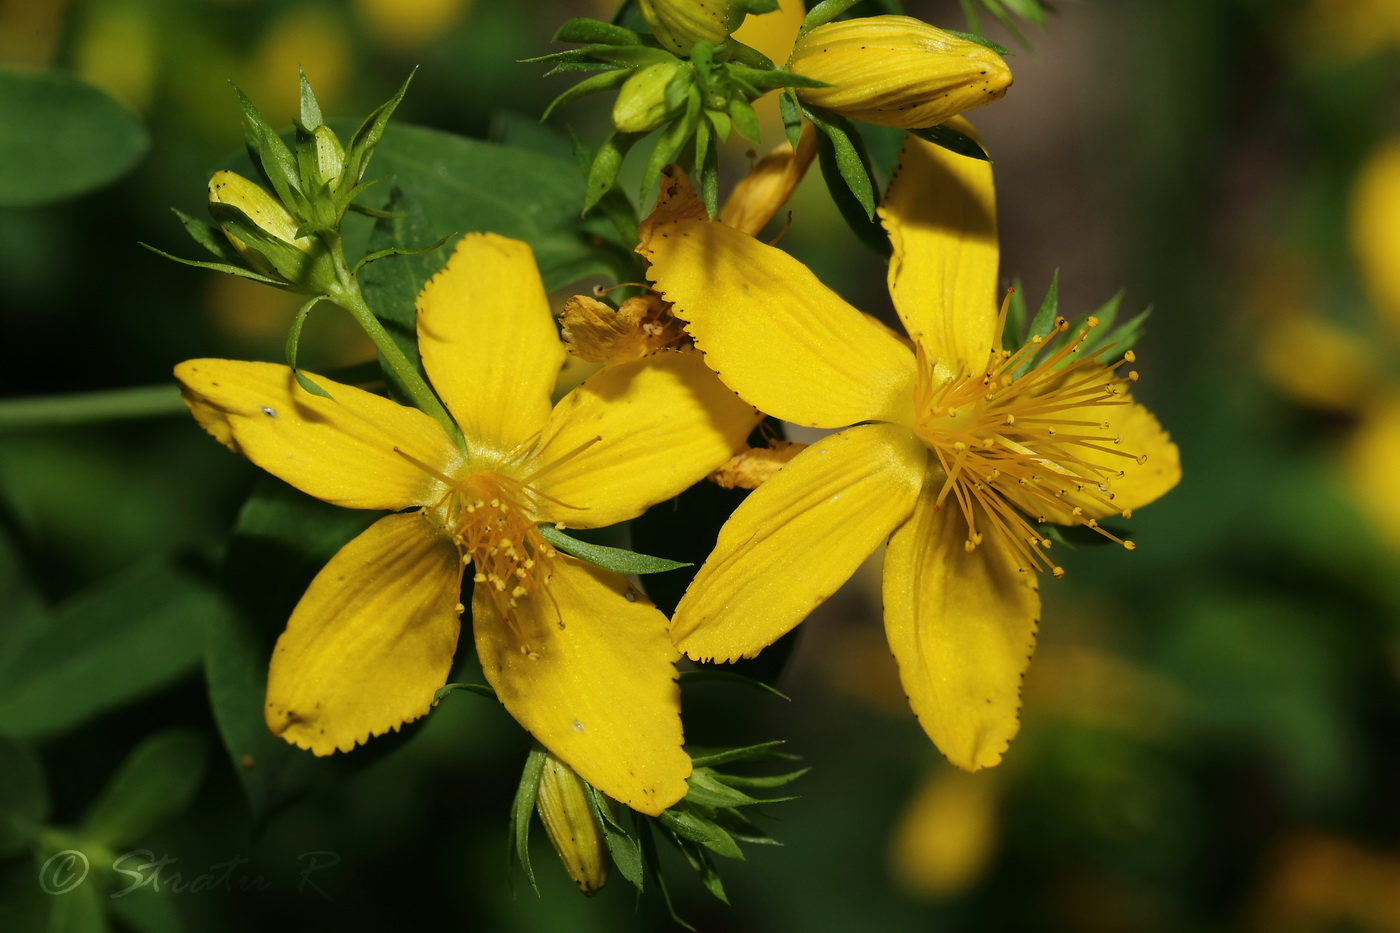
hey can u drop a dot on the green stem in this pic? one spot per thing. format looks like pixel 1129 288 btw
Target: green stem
pixel 56 411
pixel 347 295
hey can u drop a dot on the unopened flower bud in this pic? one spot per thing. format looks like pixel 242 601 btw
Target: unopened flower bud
pixel 679 24
pixel 897 71
pixel 263 232
pixel 563 808
pixel 330 155
pixel 647 99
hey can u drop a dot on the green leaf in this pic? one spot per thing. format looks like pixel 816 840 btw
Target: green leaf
pixel 792 117
pixel 706 790
pixel 522 811
pixel 745 120
pixel 1043 324
pixel 482 690
pixel 60 138
pixel 980 40
pixel 445 183
pixel 767 780
pixel 116 641
pixel 224 267
pixel 823 13
pixel 670 142
pixel 24 802
pixel 293 338
pixel 606 81
pixel 607 162
pixel 272 157
pixel 703 866
pixel 310 109
pixel 950 139
pixel 582 30
pixel 156 782
pixel 366 139
pixel 748 753
pixel 687 824
pixel 718 673
pixel 615 559
pixel 853 210
pixel 625 851
pixel 767 79
pixel 848 153
pixel 209 237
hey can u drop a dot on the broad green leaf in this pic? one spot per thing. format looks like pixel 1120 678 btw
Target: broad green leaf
pixel 61 137
pixel 615 559
pixel 24 803
pixel 450 183
pixel 155 783
pixel 117 641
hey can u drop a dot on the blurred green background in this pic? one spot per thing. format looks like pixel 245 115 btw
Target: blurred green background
pixel 1211 729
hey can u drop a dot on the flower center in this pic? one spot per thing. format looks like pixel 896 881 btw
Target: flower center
pixel 493 520
pixel 1011 447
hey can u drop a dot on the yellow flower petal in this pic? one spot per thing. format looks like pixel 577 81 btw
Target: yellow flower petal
pixel 962 627
pixel 797 538
pixel 634 435
pixel 341 450
pixel 489 344
pixel 595 682
pixel 777 335
pixel 371 640
pixel 940 211
pixel 769 184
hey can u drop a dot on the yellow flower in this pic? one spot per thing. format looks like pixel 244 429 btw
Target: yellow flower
pixel 575 653
pixel 896 71
pixel 679 24
pixel 945 451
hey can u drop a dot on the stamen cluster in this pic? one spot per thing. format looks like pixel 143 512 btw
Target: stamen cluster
pixel 1007 448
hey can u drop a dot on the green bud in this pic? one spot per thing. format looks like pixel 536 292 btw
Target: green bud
pixel 263 232
pixel 563 808
pixel 330 156
pixel 651 97
pixel 679 24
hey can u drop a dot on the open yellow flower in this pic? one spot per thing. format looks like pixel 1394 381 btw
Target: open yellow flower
pixel 946 450
pixel 575 653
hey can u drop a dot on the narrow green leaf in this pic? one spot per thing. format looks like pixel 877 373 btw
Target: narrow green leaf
pixel 1043 324
pixel 687 824
pixel 823 13
pixel 669 144
pixel 271 155
pixel 366 138
pixel 653 864
pixel 582 30
pixel 1013 332
pixel 792 117
pixel 747 753
pixel 705 789
pixel 720 121
pixel 522 811
pixel 482 690
pixel 399 250
pixel 615 559
pixel 614 77
pixel 720 674
pixel 701 863
pixel 950 139
pixel 766 79
pixel 980 40
pixel 61 137
pixel 764 781
pixel 708 168
pixel 849 158
pixel 293 339
pixel 626 852
pixel 218 267
pixel 866 229
pixel 156 782
pixel 208 236
pixel 607 161
pixel 310 109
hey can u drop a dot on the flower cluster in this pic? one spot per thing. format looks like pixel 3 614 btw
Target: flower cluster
pixel 957 441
